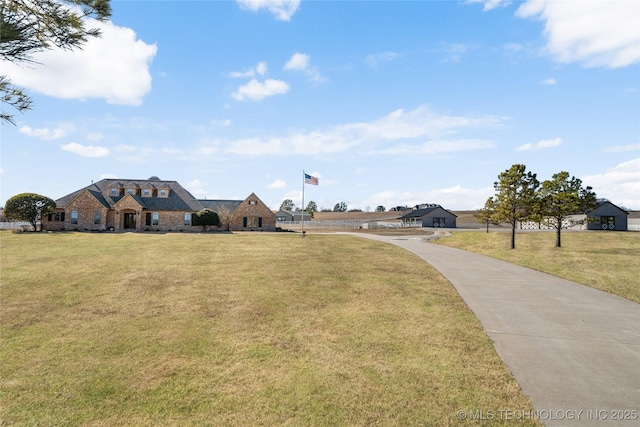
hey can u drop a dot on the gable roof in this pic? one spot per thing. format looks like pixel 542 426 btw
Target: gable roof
pixel 603 203
pixel 422 212
pixel 179 199
pixel 218 205
pixel 284 212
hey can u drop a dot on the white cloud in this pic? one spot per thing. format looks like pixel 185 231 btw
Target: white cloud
pixel 126 148
pixel 114 67
pixel 453 52
pixel 548 82
pixel 259 90
pixel 172 151
pixel 374 59
pixel 595 33
pixel 490 4
pixel 197 187
pixel 260 69
pixel 95 136
pixel 299 61
pixel 620 184
pixel 623 148
pixel 283 10
pixel 86 150
pixel 513 47
pixel 440 146
pixel 221 122
pixel 546 143
pixel 206 151
pixel 278 183
pixel 242 74
pixel 46 133
pixel 399 125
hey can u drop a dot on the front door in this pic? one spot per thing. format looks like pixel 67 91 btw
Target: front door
pixel 608 222
pixel 129 221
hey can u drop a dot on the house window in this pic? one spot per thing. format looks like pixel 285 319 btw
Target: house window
pixel 253 202
pixel 97 217
pixel 114 191
pixel 146 192
pixel 252 222
pixel 187 218
pixel 163 193
pixel 155 217
pixel 131 191
pixel 55 217
pixel 74 217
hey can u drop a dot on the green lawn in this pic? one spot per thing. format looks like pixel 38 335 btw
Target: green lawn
pixel 237 329
pixel 606 260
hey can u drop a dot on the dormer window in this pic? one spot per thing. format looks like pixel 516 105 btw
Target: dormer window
pixel 163 193
pixel 114 191
pixel 146 192
pixel 131 191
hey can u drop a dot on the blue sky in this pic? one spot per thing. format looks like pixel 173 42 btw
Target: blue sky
pixel 387 102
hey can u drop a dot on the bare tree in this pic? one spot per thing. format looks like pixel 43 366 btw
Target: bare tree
pixel 225 216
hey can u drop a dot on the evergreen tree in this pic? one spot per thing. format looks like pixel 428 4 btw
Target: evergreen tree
pixel 515 198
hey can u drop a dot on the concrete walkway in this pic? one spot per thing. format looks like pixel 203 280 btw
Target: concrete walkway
pixel 574 350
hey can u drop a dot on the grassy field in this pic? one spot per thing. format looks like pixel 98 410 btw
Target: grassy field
pixel 237 329
pixel 605 260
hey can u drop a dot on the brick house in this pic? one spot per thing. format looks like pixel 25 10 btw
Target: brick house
pixel 151 205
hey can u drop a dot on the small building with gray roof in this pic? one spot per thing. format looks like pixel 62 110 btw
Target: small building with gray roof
pixel 431 216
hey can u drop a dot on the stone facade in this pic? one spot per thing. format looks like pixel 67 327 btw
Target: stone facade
pixel 150 205
pixel 252 215
pixel 83 213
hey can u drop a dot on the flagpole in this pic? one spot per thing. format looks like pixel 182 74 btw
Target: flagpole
pixel 302 211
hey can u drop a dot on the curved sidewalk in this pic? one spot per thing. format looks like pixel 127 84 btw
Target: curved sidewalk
pixel 574 350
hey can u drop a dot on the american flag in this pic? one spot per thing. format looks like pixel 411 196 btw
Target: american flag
pixel 308 179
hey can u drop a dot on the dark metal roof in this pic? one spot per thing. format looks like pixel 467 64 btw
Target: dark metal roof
pixel 422 212
pixel 294 215
pixel 603 203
